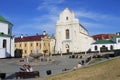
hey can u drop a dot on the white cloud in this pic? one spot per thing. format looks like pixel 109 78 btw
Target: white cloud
pixel 47 21
pixel 96 20
pixel 49 4
pixel 96 16
pixel 93 25
pixel 97 23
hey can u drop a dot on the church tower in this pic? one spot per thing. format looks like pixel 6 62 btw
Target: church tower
pixel 71 36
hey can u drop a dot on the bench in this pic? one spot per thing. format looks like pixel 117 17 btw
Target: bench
pixel 27 74
pixel 2 76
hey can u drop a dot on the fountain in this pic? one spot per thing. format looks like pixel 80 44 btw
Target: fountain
pixel 36 58
pixel 35 55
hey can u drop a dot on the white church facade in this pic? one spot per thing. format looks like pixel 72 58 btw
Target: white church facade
pixel 71 36
pixel 6 39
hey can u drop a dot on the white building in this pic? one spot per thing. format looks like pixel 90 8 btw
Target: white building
pixel 71 36
pixel 6 39
pixel 106 44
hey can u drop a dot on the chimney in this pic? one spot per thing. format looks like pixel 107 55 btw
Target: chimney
pixel 21 36
pixel 118 33
pixel 44 32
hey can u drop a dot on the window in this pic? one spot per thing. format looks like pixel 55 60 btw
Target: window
pixel 111 47
pixel 67 34
pixel 20 45
pixel 25 44
pixel 4 43
pixel 31 44
pixel 36 44
pixel 66 18
pixel 9 30
pixel 119 41
pixel 40 46
pixel 44 44
pixel 31 51
pixel 48 44
pixel 25 51
pixel 95 47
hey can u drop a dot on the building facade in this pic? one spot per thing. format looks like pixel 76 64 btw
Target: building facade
pixel 71 36
pixel 29 44
pixel 106 44
pixel 6 39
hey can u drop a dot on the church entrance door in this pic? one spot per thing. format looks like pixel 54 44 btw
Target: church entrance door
pixel 67 48
pixel 67 51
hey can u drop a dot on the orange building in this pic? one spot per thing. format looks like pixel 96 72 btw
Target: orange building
pixel 28 44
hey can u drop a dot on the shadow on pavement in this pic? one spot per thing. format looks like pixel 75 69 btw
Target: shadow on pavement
pixel 12 76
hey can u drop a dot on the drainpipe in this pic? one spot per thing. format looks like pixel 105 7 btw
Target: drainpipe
pixel 10 38
pixel 10 45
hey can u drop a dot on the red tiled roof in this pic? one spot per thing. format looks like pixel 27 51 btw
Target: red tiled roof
pixel 29 38
pixel 103 36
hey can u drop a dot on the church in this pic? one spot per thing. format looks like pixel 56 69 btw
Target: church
pixel 6 38
pixel 71 36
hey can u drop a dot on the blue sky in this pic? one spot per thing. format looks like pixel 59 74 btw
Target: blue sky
pixel 35 16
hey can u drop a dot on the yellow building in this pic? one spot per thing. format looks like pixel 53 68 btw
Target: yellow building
pixel 28 44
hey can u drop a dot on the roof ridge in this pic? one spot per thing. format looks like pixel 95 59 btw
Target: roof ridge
pixel 5 20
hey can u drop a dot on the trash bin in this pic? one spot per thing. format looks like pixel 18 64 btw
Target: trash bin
pixel 82 62
pixel 2 75
pixel 49 72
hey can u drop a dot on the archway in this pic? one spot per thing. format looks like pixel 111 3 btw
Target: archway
pixel 67 48
pixel 103 49
pixel 111 47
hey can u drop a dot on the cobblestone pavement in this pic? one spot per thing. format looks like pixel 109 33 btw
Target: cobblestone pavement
pixel 10 66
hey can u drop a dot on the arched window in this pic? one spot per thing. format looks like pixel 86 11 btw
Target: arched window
pixel 67 34
pixel 95 47
pixel 66 18
pixel 4 43
pixel 111 47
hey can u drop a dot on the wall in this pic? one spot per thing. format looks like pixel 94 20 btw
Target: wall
pixel 4 27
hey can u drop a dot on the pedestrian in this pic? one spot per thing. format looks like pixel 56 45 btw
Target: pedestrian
pixel 29 68
pixel 23 68
pixel 79 65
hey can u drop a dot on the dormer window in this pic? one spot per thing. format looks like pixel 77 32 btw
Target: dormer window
pixel 66 18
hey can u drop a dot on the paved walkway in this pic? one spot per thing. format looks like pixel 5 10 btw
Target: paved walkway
pixel 10 66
